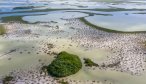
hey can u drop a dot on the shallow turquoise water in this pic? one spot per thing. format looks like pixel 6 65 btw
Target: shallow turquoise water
pixel 54 16
pixel 120 22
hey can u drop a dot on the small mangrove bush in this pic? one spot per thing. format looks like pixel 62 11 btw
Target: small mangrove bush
pixel 64 65
pixel 89 62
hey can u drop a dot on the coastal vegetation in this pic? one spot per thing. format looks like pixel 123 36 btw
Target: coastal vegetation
pixel 97 27
pixel 23 7
pixel 89 62
pixel 13 19
pixel 64 65
pixel 2 30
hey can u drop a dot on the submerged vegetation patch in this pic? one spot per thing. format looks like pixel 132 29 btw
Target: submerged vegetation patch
pixel 2 30
pixel 89 62
pixel 13 19
pixel 24 7
pixel 64 65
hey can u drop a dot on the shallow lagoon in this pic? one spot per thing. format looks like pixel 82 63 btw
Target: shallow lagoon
pixel 54 16
pixel 120 22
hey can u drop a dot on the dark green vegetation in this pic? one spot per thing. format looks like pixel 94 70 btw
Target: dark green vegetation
pixel 89 62
pixel 2 30
pixel 13 19
pixel 105 29
pixel 64 65
pixel 7 79
pixel 24 7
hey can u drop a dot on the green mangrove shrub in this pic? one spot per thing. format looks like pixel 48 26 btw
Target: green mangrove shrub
pixel 64 65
